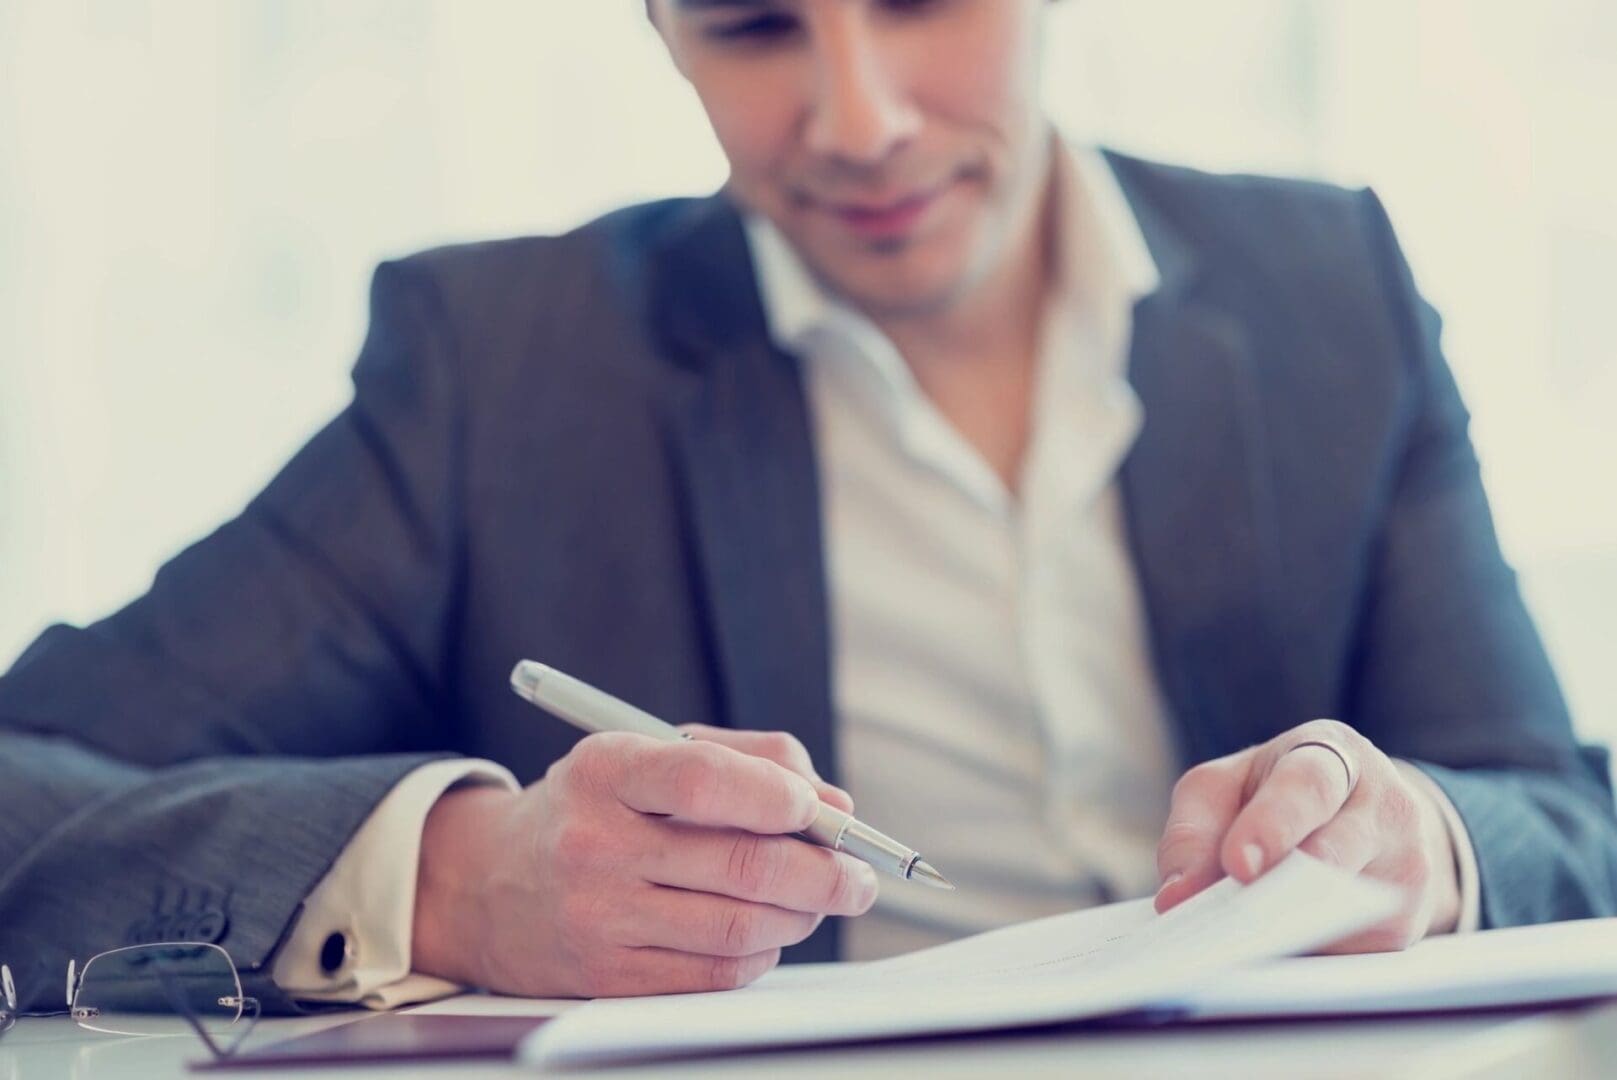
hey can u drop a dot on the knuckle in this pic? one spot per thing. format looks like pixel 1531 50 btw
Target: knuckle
pixel 562 776
pixel 791 752
pixel 595 751
pixel 1193 780
pixel 778 745
pixel 755 866
pixel 589 765
pixel 1329 729
pixel 698 779
pixel 738 927
pixel 1198 782
pixel 1400 813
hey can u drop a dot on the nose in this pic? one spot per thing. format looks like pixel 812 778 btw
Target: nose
pixel 859 112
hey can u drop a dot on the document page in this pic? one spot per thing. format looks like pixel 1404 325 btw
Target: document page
pixel 1522 965
pixel 1068 967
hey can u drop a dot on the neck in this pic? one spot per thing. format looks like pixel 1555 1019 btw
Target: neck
pixel 998 319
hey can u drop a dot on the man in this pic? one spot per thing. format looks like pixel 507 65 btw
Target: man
pixel 997 480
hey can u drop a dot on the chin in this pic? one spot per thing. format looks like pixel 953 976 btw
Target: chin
pixel 892 299
pixel 899 289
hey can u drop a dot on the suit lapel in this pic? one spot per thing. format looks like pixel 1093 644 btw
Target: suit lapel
pixel 1200 511
pixel 740 441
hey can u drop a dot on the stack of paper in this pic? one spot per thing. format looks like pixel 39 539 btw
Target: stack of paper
pixel 1068 967
pixel 1524 965
pixel 1216 956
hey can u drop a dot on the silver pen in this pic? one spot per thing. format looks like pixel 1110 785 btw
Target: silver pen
pixel 589 709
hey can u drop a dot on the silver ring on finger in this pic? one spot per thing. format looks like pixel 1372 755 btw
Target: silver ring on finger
pixel 1341 755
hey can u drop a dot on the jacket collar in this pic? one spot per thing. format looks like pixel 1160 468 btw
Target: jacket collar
pixel 1198 492
pixel 739 436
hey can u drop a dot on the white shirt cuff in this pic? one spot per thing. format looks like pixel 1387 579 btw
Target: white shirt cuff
pixel 352 942
pixel 1465 856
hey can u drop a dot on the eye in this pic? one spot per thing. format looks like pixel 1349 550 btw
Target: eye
pixel 767 27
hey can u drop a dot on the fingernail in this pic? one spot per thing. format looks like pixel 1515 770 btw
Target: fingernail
pixel 1252 859
pixel 1169 880
pixel 868 886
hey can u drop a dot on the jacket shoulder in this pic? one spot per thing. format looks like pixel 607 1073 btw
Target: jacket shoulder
pixel 610 245
pixel 1314 262
pixel 1231 213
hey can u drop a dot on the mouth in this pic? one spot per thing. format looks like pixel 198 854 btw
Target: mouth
pixel 887 218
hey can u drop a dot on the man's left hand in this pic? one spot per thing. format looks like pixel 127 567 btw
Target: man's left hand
pixel 1346 803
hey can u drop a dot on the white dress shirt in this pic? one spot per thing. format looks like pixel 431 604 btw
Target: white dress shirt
pixel 995 702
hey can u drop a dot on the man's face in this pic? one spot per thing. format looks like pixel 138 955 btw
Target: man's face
pixel 898 144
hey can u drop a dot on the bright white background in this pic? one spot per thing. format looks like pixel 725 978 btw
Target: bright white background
pixel 193 193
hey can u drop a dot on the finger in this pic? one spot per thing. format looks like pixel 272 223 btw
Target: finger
pixel 631 972
pixel 708 784
pixel 779 870
pixel 781 747
pixel 713 925
pixel 1305 789
pixel 1205 800
pixel 1348 841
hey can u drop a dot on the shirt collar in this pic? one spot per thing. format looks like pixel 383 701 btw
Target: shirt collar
pixel 1104 262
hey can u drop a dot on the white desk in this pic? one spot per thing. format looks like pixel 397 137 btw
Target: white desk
pixel 1574 1043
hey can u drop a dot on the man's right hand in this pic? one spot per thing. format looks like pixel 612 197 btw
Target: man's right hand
pixel 634 867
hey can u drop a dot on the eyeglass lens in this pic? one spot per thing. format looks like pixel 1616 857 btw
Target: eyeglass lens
pixel 148 989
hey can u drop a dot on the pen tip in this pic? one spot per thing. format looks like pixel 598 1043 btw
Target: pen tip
pixel 525 678
pixel 923 872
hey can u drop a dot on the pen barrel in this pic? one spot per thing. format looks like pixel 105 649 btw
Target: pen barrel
pixel 843 832
pixel 585 707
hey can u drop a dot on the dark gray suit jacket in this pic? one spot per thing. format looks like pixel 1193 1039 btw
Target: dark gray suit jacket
pixel 585 449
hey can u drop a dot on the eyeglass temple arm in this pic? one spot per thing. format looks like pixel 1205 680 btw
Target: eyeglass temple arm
pixel 249 1005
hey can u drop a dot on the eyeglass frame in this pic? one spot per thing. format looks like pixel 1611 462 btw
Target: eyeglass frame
pixel 8 1000
pixel 244 1005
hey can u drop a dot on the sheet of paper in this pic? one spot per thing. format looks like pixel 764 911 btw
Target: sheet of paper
pixel 1524 965
pixel 1069 967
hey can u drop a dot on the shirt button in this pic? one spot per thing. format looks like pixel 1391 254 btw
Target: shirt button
pixel 335 953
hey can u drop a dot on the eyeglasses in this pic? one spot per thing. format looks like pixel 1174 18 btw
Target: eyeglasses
pixel 166 988
pixel 8 999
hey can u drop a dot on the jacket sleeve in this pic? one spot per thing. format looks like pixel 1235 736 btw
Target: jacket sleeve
pixel 190 766
pixel 1450 672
